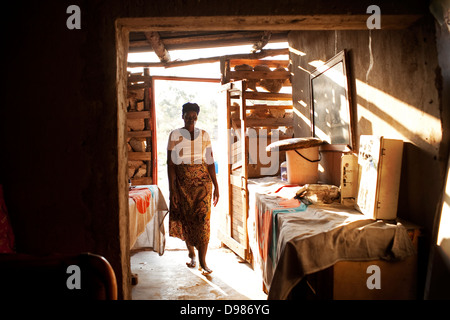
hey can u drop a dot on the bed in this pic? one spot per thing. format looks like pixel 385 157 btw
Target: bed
pixel 147 209
pixel 292 240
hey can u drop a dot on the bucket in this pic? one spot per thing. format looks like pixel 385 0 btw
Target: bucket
pixel 303 165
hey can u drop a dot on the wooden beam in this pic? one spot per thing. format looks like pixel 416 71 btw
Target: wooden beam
pixel 200 41
pixel 260 44
pixel 343 21
pixel 158 46
pixel 269 63
pixel 171 78
pixel 258 55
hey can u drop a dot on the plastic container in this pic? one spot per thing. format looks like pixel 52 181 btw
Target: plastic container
pixel 283 171
pixel 303 165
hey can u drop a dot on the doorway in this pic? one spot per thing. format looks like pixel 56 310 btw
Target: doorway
pixel 169 94
pixel 232 279
pixel 124 27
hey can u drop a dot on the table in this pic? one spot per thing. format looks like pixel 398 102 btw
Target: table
pixel 294 240
pixel 147 210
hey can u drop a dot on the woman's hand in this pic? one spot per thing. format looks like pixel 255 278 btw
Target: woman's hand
pixel 215 196
pixel 174 200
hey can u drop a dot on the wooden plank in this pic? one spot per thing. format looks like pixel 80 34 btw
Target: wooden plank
pixel 238 218
pixel 236 155
pixel 141 181
pixel 260 44
pixel 235 180
pixel 332 20
pixel 268 96
pixel 192 40
pixel 262 54
pixel 235 124
pixel 137 86
pixel 138 115
pixel 143 156
pixel 238 75
pixel 139 134
pixel 257 62
pixel 237 235
pixel 138 78
pixel 244 170
pixel 236 165
pixel 194 79
pixel 238 231
pixel 265 106
pixel 270 122
pixel 238 248
pixel 158 45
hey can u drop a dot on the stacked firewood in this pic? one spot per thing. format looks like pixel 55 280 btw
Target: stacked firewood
pixel 271 85
pixel 136 168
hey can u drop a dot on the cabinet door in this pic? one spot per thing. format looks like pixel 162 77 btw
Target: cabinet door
pixel 233 230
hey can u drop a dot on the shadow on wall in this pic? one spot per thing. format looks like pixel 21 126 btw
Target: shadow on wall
pixel 418 198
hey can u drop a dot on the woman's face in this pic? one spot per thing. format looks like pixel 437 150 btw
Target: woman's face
pixel 190 118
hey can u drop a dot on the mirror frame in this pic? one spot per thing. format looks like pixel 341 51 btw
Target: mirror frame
pixel 321 71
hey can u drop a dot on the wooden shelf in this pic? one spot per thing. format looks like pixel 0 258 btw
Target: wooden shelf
pixel 141 181
pixel 267 96
pixel 255 62
pixel 137 86
pixel 139 134
pixel 264 106
pixel 270 122
pixel 139 78
pixel 138 115
pixel 257 75
pixel 136 156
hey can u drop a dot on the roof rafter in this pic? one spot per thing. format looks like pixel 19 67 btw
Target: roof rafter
pixel 257 55
pixel 158 46
pixel 259 45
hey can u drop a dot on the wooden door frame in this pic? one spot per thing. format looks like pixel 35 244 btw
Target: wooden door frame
pixel 226 228
pixel 124 26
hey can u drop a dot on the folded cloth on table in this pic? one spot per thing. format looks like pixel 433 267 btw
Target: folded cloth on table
pixel 142 198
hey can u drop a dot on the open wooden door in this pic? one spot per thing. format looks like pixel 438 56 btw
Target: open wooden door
pixel 234 211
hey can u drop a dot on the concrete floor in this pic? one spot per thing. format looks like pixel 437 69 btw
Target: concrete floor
pixel 167 277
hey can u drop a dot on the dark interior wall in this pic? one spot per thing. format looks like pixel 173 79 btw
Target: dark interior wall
pixel 58 131
pixel 396 86
pixel 59 117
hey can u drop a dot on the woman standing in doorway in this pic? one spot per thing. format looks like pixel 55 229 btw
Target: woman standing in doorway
pixel 191 172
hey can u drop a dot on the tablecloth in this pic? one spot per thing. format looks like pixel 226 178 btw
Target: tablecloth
pixel 147 209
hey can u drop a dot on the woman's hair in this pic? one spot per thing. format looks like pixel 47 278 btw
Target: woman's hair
pixel 190 107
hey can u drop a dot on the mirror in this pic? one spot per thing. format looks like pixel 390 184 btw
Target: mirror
pixel 330 101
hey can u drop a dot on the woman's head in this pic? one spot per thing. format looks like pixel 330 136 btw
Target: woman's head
pixel 190 107
pixel 190 113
